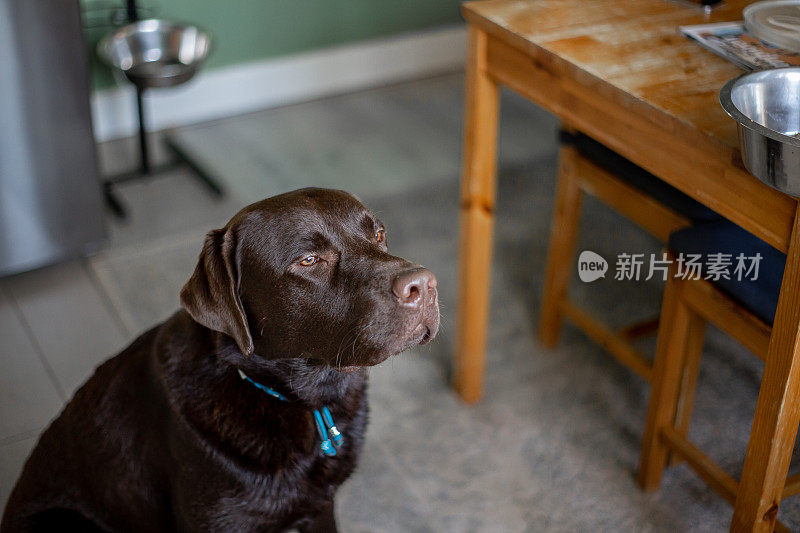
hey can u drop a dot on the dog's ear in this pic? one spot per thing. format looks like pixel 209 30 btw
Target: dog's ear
pixel 211 296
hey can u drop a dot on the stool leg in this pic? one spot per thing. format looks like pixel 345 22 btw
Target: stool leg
pixel 679 324
pixel 691 370
pixel 563 233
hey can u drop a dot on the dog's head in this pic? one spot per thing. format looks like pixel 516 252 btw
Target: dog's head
pixel 308 274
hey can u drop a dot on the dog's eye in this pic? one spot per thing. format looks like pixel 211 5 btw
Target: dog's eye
pixel 380 236
pixel 309 260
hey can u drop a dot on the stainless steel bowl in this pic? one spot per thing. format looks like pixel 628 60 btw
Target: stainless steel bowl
pixel 156 53
pixel 766 106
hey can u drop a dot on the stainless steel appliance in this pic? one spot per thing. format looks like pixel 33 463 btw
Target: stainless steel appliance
pixel 51 203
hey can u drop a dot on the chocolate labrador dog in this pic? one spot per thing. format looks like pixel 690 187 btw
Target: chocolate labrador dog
pixel 246 409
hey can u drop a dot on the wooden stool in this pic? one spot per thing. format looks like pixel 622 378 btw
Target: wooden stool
pixel 743 309
pixel 586 166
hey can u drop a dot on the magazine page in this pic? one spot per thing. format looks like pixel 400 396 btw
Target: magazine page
pixel 731 41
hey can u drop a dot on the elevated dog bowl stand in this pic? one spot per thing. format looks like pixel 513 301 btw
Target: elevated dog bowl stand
pixel 146 169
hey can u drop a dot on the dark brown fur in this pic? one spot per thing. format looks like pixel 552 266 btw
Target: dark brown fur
pixel 166 436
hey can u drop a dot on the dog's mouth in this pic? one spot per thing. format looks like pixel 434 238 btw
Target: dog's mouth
pixel 425 335
pixel 422 335
pixel 425 338
pixel 422 332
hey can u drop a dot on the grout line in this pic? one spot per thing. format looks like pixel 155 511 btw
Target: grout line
pixel 105 297
pixel 230 192
pixel 156 245
pixel 12 439
pixel 36 346
pixel 114 300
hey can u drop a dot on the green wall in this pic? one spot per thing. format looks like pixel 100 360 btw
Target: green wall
pixel 247 30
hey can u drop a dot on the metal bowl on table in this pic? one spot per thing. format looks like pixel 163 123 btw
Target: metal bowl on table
pixel 766 106
pixel 156 53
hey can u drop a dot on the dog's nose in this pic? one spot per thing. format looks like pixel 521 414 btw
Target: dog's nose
pixel 412 287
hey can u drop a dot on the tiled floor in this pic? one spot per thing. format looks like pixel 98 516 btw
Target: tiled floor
pixel 554 444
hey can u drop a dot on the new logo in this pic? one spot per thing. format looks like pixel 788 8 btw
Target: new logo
pixel 591 266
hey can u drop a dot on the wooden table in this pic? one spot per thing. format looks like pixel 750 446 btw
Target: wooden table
pixel 619 71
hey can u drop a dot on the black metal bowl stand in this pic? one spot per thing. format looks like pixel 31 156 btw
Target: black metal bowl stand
pixel 146 169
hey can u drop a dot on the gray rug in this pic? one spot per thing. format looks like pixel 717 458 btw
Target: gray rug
pixel 554 444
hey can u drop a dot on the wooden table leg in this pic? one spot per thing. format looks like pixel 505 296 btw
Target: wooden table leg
pixel 479 170
pixel 778 408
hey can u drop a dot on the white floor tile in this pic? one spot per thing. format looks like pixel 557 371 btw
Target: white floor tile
pixel 145 285
pixel 70 320
pixel 172 203
pixel 28 397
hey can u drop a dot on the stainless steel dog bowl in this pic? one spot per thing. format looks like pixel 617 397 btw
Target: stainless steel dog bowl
pixel 766 106
pixel 156 53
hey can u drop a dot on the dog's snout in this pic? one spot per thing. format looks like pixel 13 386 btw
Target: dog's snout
pixel 412 287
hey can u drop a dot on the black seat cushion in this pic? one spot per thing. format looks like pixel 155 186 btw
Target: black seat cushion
pixel 760 296
pixel 639 178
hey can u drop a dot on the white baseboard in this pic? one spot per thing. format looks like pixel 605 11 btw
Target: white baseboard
pixel 258 85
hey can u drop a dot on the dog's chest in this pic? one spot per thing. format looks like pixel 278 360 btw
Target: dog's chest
pixel 281 500
pixel 292 481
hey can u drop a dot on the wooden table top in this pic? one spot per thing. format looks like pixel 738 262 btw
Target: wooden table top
pixel 629 50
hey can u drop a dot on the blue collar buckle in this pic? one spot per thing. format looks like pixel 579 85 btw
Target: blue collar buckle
pixel 336 436
pixel 272 392
pixel 323 420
